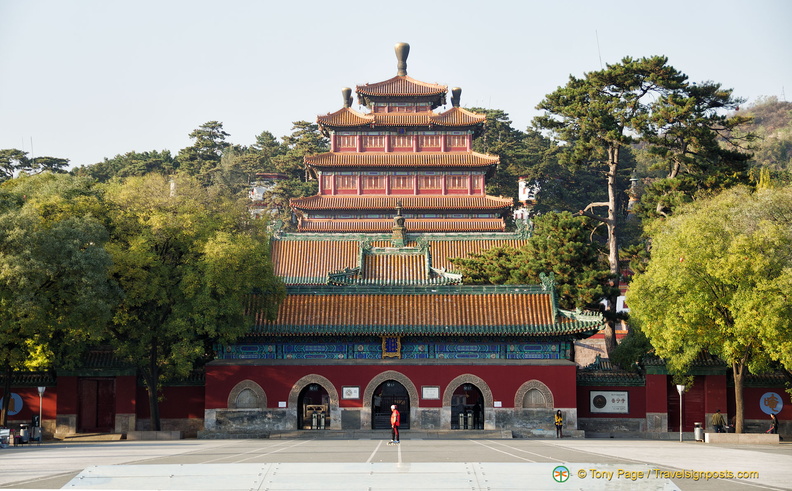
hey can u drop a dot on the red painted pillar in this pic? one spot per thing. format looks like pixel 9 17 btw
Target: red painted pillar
pixel 67 406
pixel 126 401
pixel 715 393
pixel 656 403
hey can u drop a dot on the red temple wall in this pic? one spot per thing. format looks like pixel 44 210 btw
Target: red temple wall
pixel 277 381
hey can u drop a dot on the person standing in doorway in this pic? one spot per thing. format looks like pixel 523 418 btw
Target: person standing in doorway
pixel 559 424
pixel 718 421
pixel 395 421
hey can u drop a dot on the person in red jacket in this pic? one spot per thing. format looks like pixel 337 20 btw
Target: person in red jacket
pixel 395 420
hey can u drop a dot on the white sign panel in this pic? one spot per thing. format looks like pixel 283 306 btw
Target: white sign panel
pixel 350 393
pixel 602 401
pixel 430 392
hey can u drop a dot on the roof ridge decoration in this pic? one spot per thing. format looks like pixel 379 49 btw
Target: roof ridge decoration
pixel 402 52
pixel 402 85
pixel 399 237
pixel 549 284
pixel 346 94
pixel 357 275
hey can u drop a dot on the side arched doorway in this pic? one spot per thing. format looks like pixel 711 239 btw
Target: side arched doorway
pixel 385 395
pixel 313 405
pixel 467 408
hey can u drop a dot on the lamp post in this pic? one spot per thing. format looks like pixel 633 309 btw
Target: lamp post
pixel 680 389
pixel 41 409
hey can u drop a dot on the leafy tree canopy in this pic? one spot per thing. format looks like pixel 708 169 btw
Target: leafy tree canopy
pixel 559 244
pixel 595 118
pixel 718 281
pixel 130 164
pixel 202 158
pixel 54 288
pixel 187 260
pixel 696 145
pixel 14 162
pixel 305 139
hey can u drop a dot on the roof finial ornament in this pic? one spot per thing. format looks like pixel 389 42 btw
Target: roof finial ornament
pixel 402 52
pixel 456 94
pixel 399 237
pixel 346 93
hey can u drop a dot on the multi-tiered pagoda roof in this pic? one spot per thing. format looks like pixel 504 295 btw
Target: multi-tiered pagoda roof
pixel 401 193
pixel 401 149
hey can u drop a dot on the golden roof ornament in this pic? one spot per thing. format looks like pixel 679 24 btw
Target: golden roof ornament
pixel 402 52
pixel 456 95
pixel 346 94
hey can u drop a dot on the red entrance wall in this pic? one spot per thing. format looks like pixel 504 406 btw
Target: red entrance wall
pixel 637 402
pixel 278 380
pixel 752 397
pixel 185 402
pixel 30 403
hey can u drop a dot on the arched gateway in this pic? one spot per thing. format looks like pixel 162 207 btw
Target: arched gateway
pixel 382 391
pixel 469 399
pixel 316 402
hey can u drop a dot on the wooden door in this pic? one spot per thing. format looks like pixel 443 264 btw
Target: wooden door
pixel 97 405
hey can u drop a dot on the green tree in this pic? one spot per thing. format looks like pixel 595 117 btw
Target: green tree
pixel 130 164
pixel 55 165
pixel 695 142
pixel 597 117
pixel 718 281
pixel 289 159
pixel 202 159
pixel 304 140
pixel 239 165
pixel 560 244
pixel 187 260
pixel 54 288
pixel 12 161
pixel 771 121
pixel 498 137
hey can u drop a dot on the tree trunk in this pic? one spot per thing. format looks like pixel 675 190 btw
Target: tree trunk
pixel 738 369
pixel 8 373
pixel 152 386
pixel 613 249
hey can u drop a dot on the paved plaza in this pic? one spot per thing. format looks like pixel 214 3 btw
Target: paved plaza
pixel 492 464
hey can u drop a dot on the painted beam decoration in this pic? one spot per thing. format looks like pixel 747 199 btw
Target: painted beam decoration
pixel 391 347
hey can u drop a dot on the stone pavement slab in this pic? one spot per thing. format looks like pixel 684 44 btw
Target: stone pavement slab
pixel 417 464
pixel 372 476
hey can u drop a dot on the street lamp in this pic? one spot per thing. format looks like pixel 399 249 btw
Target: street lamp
pixel 41 407
pixel 680 389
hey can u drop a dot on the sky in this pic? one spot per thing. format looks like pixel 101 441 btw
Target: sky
pixel 87 80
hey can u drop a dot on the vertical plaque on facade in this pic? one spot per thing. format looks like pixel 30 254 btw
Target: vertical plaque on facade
pixel 391 347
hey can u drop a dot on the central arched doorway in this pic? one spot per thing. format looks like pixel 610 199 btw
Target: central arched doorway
pixel 314 408
pixel 467 408
pixel 386 394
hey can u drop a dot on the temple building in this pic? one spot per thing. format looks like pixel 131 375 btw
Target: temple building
pixel 375 314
